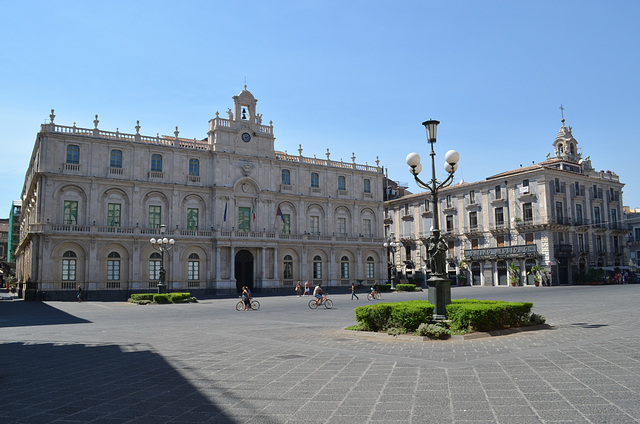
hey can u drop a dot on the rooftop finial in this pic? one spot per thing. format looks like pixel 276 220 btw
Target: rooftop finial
pixel 52 116
pixel 562 114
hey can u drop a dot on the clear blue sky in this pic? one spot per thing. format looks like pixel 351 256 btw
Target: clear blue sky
pixel 351 76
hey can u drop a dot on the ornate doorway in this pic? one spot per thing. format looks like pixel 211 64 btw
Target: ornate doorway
pixel 244 270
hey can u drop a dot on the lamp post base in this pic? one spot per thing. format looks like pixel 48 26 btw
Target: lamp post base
pixel 162 288
pixel 439 295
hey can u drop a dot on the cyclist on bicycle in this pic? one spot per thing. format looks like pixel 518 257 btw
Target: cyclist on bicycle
pixel 246 297
pixel 318 292
pixel 374 289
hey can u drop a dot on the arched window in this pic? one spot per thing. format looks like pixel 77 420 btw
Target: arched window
pixel 315 180
pixel 73 154
pixel 69 266
pixel 116 159
pixel 317 267
pixel 193 267
pixel 156 163
pixel 286 177
pixel 287 271
pixel 367 185
pixel 154 266
pixel 341 183
pixel 194 167
pixel 344 268
pixel 371 274
pixel 113 266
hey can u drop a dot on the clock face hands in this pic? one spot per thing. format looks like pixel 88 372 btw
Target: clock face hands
pixel 246 137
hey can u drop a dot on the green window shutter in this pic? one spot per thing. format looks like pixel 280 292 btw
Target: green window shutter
pixel 70 212
pixel 244 219
pixel 192 219
pixel 113 214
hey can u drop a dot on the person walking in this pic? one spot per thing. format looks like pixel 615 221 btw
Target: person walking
pixel 353 291
pixel 306 288
pixel 79 296
pixel 298 289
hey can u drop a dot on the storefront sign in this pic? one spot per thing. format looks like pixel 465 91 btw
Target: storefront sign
pixel 500 252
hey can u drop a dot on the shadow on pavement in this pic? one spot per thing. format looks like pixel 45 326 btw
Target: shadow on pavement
pixel 106 383
pixel 22 314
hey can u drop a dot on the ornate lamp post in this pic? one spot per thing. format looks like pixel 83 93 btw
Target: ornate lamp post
pixel 439 285
pixel 162 244
pixel 391 247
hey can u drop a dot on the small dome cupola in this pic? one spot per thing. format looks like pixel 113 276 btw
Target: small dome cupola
pixel 565 146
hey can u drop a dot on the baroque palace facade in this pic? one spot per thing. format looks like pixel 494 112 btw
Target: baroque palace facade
pixel 559 214
pixel 241 213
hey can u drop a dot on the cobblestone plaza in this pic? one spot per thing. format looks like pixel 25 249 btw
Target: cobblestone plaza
pixel 114 362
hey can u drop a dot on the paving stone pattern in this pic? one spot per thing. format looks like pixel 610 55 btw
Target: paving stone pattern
pixel 103 362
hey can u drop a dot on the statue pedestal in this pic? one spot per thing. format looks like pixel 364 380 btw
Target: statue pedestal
pixel 439 295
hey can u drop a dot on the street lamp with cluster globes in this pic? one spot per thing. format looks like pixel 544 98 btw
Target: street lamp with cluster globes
pixel 162 244
pixel 439 285
pixel 391 247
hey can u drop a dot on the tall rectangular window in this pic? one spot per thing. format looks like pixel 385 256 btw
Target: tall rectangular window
pixel 475 243
pixel 194 167
pixel 596 214
pixel 559 216
pixel 244 219
pixel 448 200
pixel 192 219
pixel 528 238
pixel 113 214
pixel 580 243
pixel 500 241
pixel 449 221
pixel 286 177
pixel 154 269
pixel 371 269
pixel 156 163
pixel 579 214
pixel 155 216
pixel 366 228
pixel 499 215
pixel 498 192
pixel 113 269
pixel 314 225
pixel 116 159
pixel 527 212
pixel 342 226
pixel 614 218
pixel 193 269
pixel 70 216
pixel 73 154
pixel 286 224
pixel 472 197
pixel 315 180
pixel 367 185
pixel 426 205
pixel 342 185
pixel 407 229
pixel 473 220
pixel 68 270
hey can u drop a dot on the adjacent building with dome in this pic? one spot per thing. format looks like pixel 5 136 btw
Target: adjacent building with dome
pixel 240 212
pixel 560 214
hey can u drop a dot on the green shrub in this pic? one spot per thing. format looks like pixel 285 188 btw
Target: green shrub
pixel 405 315
pixel 384 287
pixel 433 331
pixel 406 287
pixel 146 298
pixel 536 319
pixel 487 315
pixel 142 296
pixel 395 331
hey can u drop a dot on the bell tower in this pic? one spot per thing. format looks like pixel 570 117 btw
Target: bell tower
pixel 565 146
pixel 242 132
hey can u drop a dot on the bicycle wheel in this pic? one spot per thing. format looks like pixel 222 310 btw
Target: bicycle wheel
pixel 369 296
pixel 240 306
pixel 328 303
pixel 313 304
pixel 255 305
pixel 378 296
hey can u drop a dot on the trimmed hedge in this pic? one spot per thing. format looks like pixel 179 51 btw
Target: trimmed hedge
pixel 382 316
pixel 384 287
pixel 145 298
pixel 406 287
pixel 487 315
